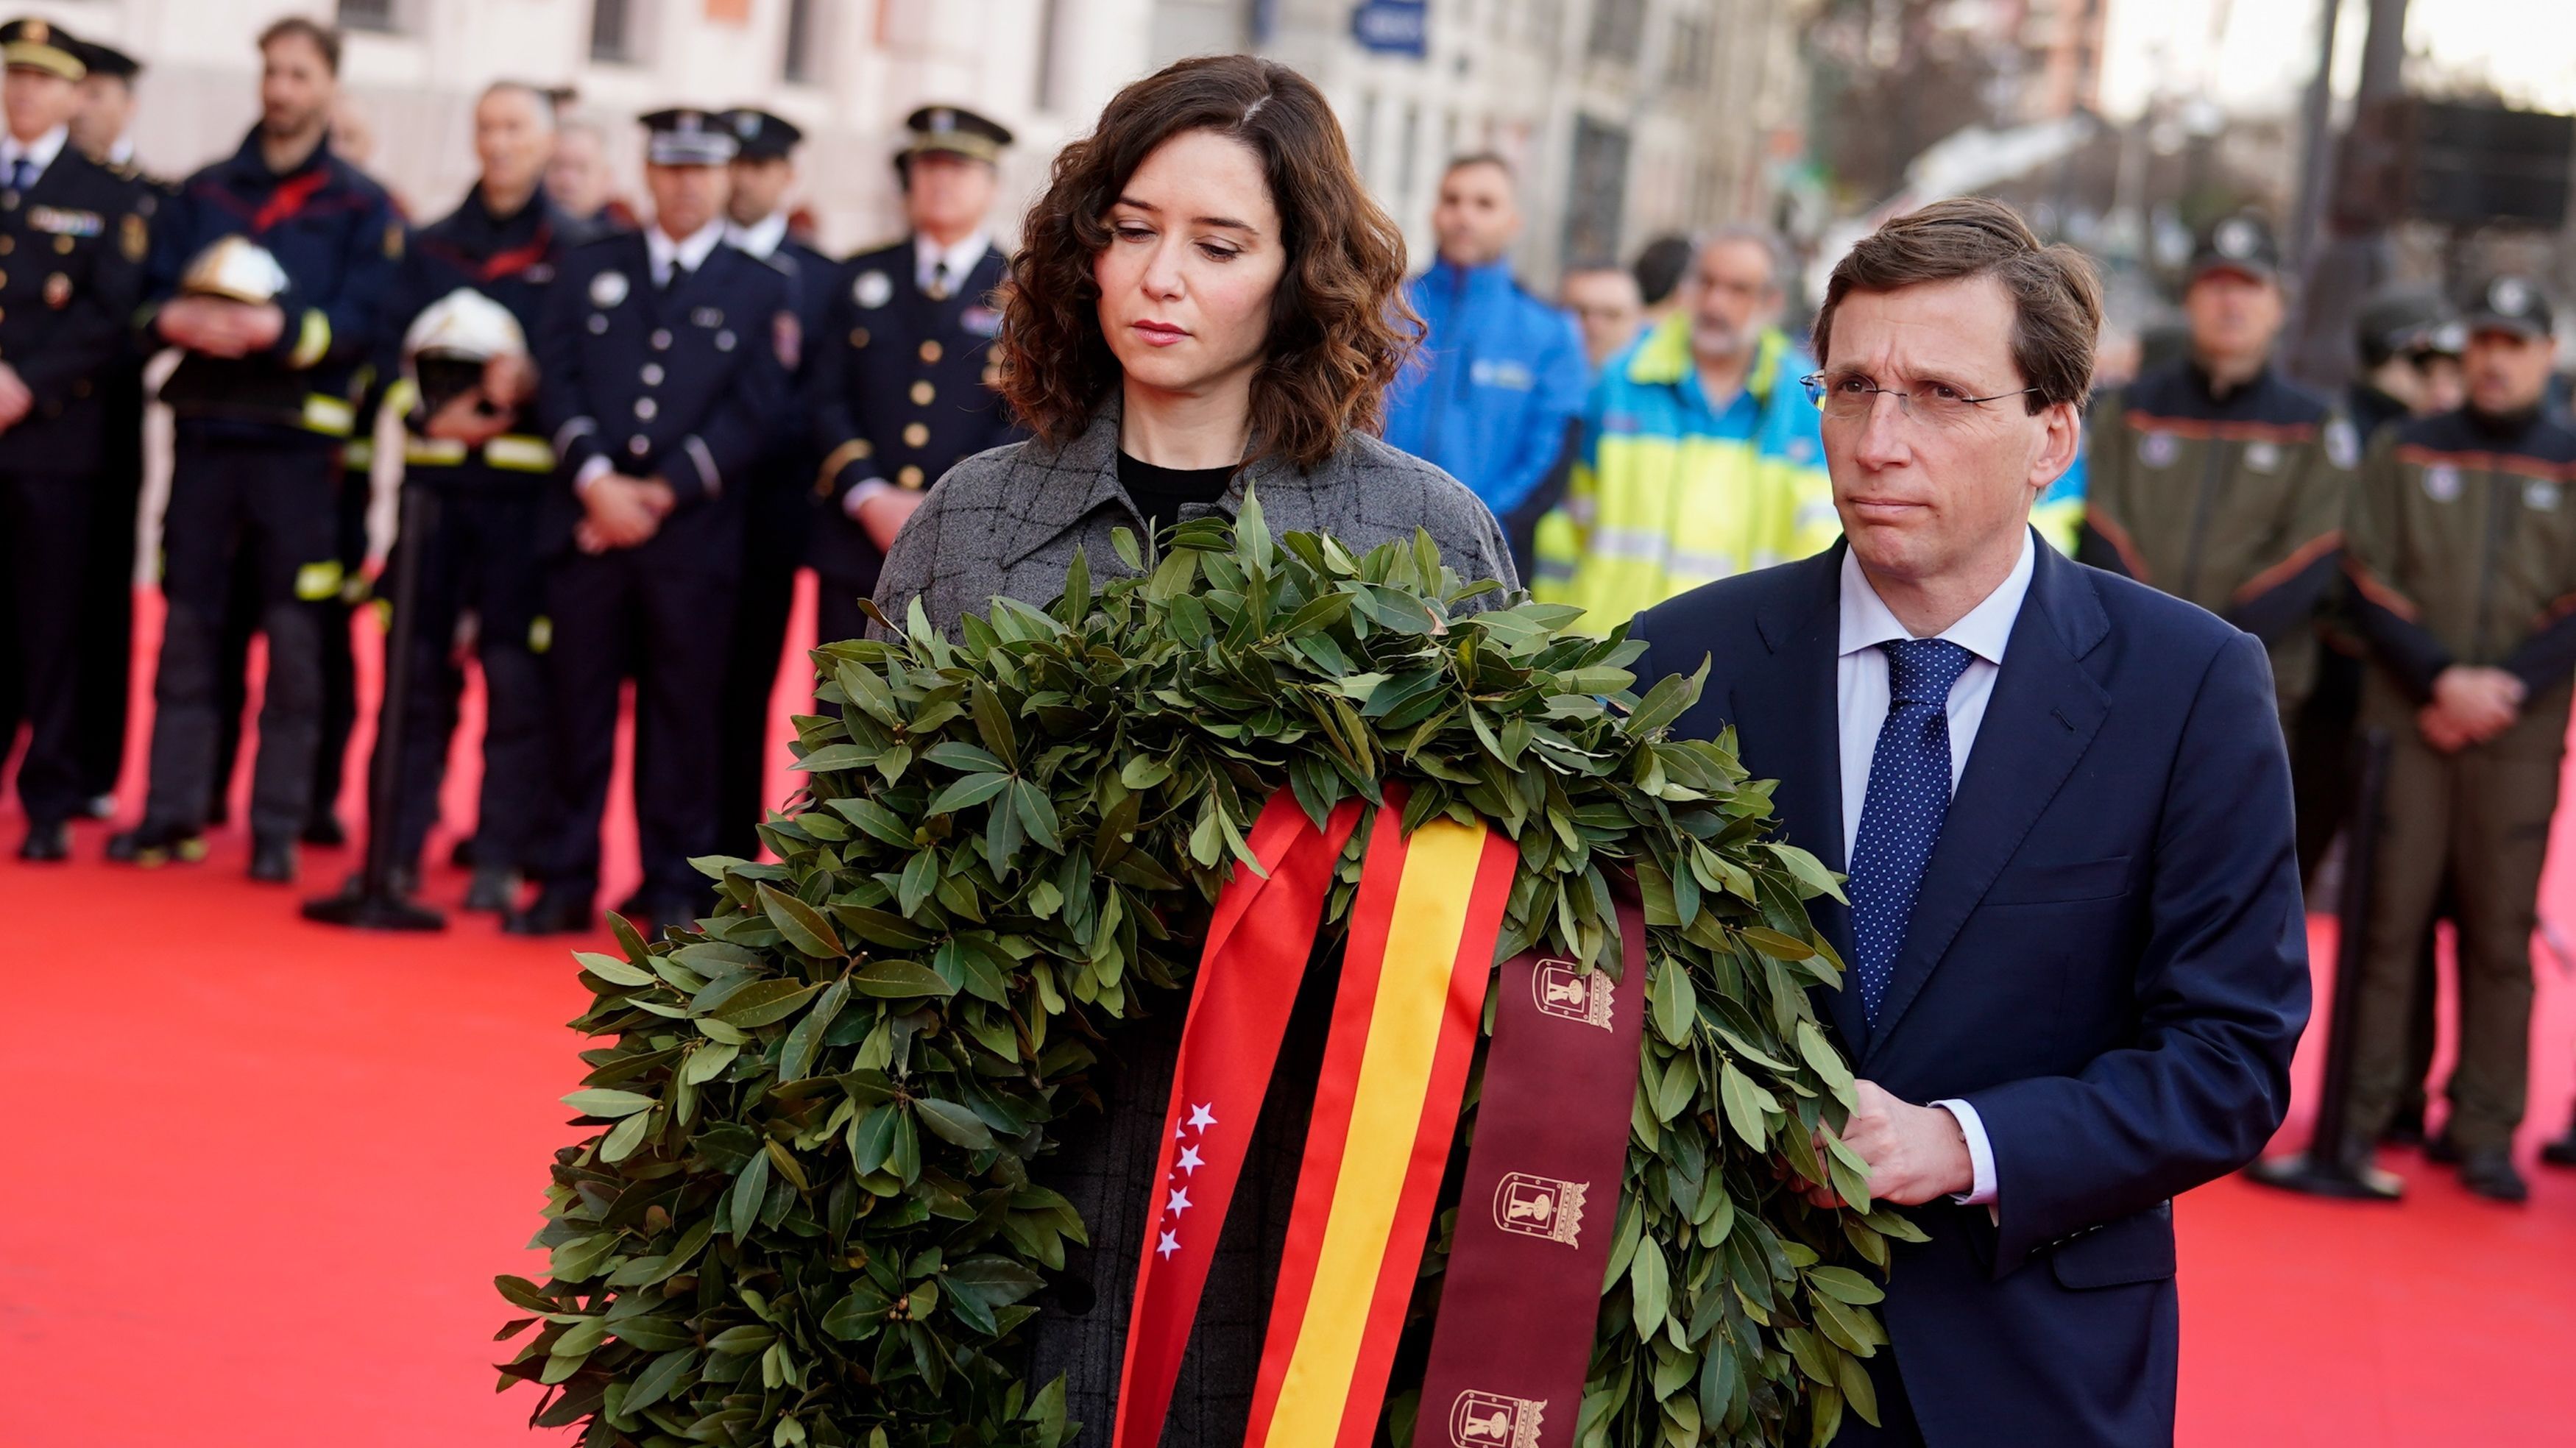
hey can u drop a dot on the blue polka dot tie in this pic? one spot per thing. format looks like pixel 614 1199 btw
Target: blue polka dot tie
pixel 1909 795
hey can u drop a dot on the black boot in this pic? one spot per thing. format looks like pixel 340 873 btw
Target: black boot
pixel 2560 1150
pixel 272 859
pixel 151 845
pixel 2406 1125
pixel 495 890
pixel 48 842
pixel 557 910
pixel 325 830
pixel 2489 1172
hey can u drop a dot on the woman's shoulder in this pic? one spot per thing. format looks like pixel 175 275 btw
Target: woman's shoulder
pixel 1389 476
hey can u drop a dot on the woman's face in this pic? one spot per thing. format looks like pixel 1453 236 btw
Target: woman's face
pixel 1194 255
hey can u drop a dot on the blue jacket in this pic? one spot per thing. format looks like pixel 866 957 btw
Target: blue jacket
pixel 1499 380
pixel 2107 960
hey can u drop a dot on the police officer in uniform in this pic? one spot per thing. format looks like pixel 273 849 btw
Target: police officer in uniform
pixel 101 130
pixel 2216 479
pixel 779 516
pixel 269 269
pixel 71 257
pixel 898 388
pixel 663 358
pixel 2463 561
pixel 471 437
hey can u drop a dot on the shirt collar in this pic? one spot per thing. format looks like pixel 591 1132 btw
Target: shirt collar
pixel 43 151
pixel 762 237
pixel 690 253
pixel 1983 630
pixel 122 153
pixel 961 258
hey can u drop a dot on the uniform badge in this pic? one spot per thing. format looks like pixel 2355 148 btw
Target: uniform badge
pixel 872 289
pixel 2540 495
pixel 2442 483
pixel 1543 1207
pixel 982 321
pixel 1559 990
pixel 393 241
pixel 706 317
pixel 134 237
pixel 2343 444
pixel 2263 457
pixel 1491 1420
pixel 788 338
pixel 2158 449
pixel 608 289
pixel 58 291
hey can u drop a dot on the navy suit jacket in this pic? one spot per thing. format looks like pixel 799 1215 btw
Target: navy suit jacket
pixel 2107 959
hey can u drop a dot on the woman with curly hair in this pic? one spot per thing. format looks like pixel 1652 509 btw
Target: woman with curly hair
pixel 1206 300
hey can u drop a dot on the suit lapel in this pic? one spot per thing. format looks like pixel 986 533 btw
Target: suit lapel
pixel 2043 714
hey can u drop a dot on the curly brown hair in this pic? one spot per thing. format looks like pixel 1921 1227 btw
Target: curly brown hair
pixel 1339 325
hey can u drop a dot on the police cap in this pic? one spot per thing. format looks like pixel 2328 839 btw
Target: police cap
pixel 2510 304
pixel 760 135
pixel 956 131
pixel 41 45
pixel 105 60
pixel 686 137
pixel 2242 243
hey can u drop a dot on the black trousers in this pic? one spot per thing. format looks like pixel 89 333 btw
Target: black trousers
pixel 774 544
pixel 45 518
pixel 339 718
pixel 662 614
pixel 273 504
pixel 479 558
pixel 106 646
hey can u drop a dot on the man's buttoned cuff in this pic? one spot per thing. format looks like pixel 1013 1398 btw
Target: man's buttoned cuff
pixel 859 493
pixel 1981 1154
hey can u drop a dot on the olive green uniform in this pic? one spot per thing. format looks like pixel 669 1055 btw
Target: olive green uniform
pixel 2462 550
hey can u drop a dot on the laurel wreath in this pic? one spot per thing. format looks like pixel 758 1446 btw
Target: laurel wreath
pixel 812 1208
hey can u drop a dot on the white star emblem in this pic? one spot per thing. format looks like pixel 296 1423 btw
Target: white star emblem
pixel 1170 1244
pixel 1201 1117
pixel 1190 1160
pixel 1180 1201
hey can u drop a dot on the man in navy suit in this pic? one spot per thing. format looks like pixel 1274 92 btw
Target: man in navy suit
pixel 2076 948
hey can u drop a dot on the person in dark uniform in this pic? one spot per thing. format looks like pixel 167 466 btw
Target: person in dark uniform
pixel 2462 555
pixel 778 516
pixel 2409 342
pixel 71 268
pixel 269 269
pixel 662 358
pixel 899 386
pixel 101 130
pixel 475 443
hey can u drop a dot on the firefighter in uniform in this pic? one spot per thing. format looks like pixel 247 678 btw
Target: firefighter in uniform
pixel 2216 479
pixel 778 517
pixel 269 269
pixel 107 577
pixel 471 438
pixel 662 358
pixel 71 259
pixel 899 387
pixel 2462 557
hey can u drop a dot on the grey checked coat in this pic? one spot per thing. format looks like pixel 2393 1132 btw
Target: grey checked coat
pixel 1005 522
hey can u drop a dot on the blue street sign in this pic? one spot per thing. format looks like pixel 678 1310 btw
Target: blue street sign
pixel 1391 27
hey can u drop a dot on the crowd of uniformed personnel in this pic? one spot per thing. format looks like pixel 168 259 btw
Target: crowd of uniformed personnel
pixel 623 435
pixel 608 463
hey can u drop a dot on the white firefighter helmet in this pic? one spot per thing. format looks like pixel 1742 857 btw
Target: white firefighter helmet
pixel 236 269
pixel 464 326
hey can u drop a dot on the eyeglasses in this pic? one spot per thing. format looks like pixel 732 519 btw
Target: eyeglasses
pixel 1849 396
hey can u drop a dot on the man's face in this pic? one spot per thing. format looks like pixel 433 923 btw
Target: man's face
pixel 37 101
pixel 1477 218
pixel 1733 296
pixel 685 198
pixel 513 138
pixel 947 194
pixel 2507 371
pixel 577 177
pixel 106 110
pixel 759 187
pixel 2443 383
pixel 296 87
pixel 2234 317
pixel 1606 306
pixel 1921 501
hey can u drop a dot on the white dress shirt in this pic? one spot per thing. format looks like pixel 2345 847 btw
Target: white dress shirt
pixel 41 151
pixel 689 253
pixel 762 237
pixel 961 259
pixel 1860 702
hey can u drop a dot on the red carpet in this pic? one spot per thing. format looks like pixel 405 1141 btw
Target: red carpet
pixel 262 1172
